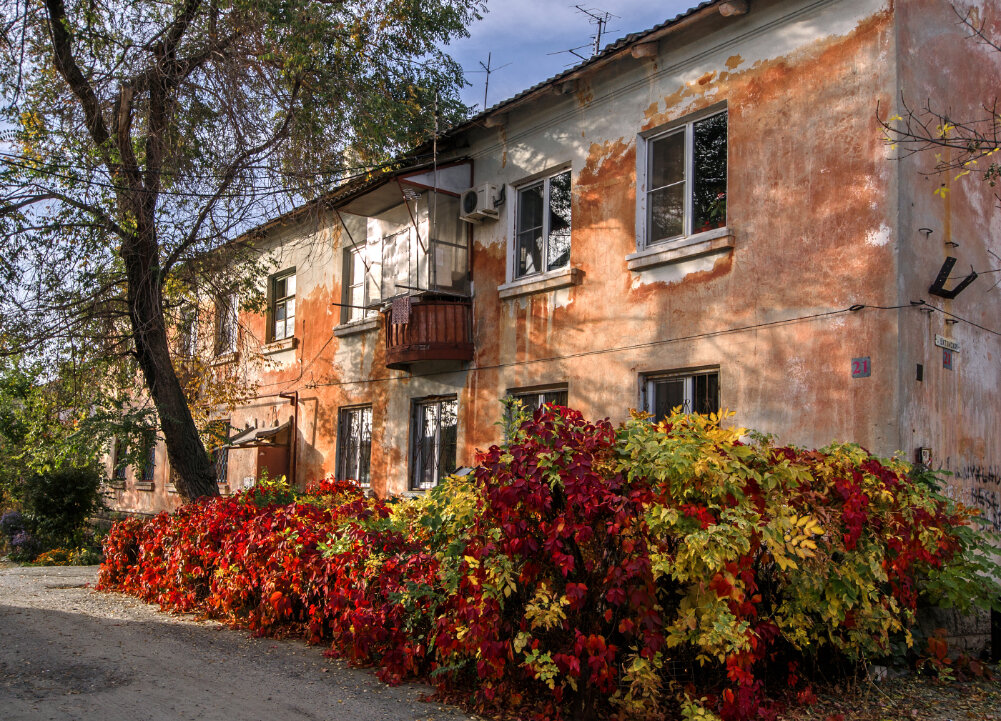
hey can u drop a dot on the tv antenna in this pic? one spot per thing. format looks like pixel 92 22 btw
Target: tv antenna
pixel 598 18
pixel 488 69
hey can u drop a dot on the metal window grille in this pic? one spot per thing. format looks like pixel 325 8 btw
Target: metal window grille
pixel 150 465
pixel 354 444
pixel 693 393
pixel 220 460
pixel 226 323
pixel 119 461
pixel 434 431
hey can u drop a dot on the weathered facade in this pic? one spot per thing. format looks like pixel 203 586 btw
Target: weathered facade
pixel 706 213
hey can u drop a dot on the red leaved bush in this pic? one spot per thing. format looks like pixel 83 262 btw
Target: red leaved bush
pixel 324 570
pixel 584 571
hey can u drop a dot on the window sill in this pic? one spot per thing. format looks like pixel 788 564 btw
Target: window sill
pixel 675 251
pixel 144 485
pixel 277 346
pixel 358 326
pixel 225 358
pixel 553 280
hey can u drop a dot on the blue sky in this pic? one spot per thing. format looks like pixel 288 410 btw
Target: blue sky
pixel 524 32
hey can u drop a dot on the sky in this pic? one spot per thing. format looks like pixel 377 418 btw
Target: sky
pixel 522 34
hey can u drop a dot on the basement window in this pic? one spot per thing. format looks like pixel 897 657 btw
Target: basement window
pixel 685 172
pixel 433 430
pixel 532 400
pixel 693 392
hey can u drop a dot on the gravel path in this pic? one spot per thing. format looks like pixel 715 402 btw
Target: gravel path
pixel 68 652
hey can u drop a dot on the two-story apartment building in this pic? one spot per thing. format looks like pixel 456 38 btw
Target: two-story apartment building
pixel 704 214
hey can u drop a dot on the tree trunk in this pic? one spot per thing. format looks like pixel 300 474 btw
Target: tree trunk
pixel 195 475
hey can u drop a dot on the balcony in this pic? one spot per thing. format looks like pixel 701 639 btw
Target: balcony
pixel 437 330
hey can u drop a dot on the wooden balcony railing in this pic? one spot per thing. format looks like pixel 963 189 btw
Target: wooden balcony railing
pixel 438 330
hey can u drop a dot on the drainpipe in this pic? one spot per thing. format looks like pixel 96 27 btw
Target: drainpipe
pixel 294 398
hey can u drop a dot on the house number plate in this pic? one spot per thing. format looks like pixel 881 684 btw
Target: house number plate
pixel 861 367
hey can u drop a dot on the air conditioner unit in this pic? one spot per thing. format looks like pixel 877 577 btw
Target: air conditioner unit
pixel 480 203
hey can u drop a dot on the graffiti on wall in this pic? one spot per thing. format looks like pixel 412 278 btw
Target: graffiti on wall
pixel 984 491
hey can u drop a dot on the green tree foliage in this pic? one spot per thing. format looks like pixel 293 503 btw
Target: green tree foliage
pixel 143 136
pixel 59 502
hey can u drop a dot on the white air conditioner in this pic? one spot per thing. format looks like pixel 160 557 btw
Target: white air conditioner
pixel 480 203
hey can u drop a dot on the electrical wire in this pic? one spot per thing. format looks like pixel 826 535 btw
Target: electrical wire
pixel 618 349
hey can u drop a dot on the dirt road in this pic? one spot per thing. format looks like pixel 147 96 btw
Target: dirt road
pixel 67 652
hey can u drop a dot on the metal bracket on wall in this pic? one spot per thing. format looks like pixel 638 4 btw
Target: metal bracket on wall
pixel 938 287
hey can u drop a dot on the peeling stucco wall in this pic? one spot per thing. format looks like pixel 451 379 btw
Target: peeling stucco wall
pixel 822 215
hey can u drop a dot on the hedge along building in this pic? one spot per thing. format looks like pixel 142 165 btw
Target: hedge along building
pixel 705 214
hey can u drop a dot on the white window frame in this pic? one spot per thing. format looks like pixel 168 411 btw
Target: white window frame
pixel 643 158
pixel 648 380
pixel 274 301
pixel 352 255
pixel 514 192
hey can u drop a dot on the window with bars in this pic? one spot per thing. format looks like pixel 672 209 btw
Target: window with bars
pixel 282 306
pixel 434 428
pixel 226 323
pixel 119 459
pixel 354 444
pixel 217 434
pixel 149 459
pixel 532 400
pixel 542 226
pixel 692 392
pixel 686 169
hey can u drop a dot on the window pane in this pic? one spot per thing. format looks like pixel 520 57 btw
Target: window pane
pixel 357 267
pixel 706 393
pixel 290 285
pixel 529 252
pixel 667 160
pixel 709 182
pixel 279 288
pixel 668 394
pixel 279 312
pixel 530 208
pixel 365 446
pixel 556 398
pixel 448 421
pixel 356 299
pixel 290 308
pixel 666 212
pixel 559 221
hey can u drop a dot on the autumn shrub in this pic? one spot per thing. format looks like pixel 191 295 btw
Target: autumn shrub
pixel 586 571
